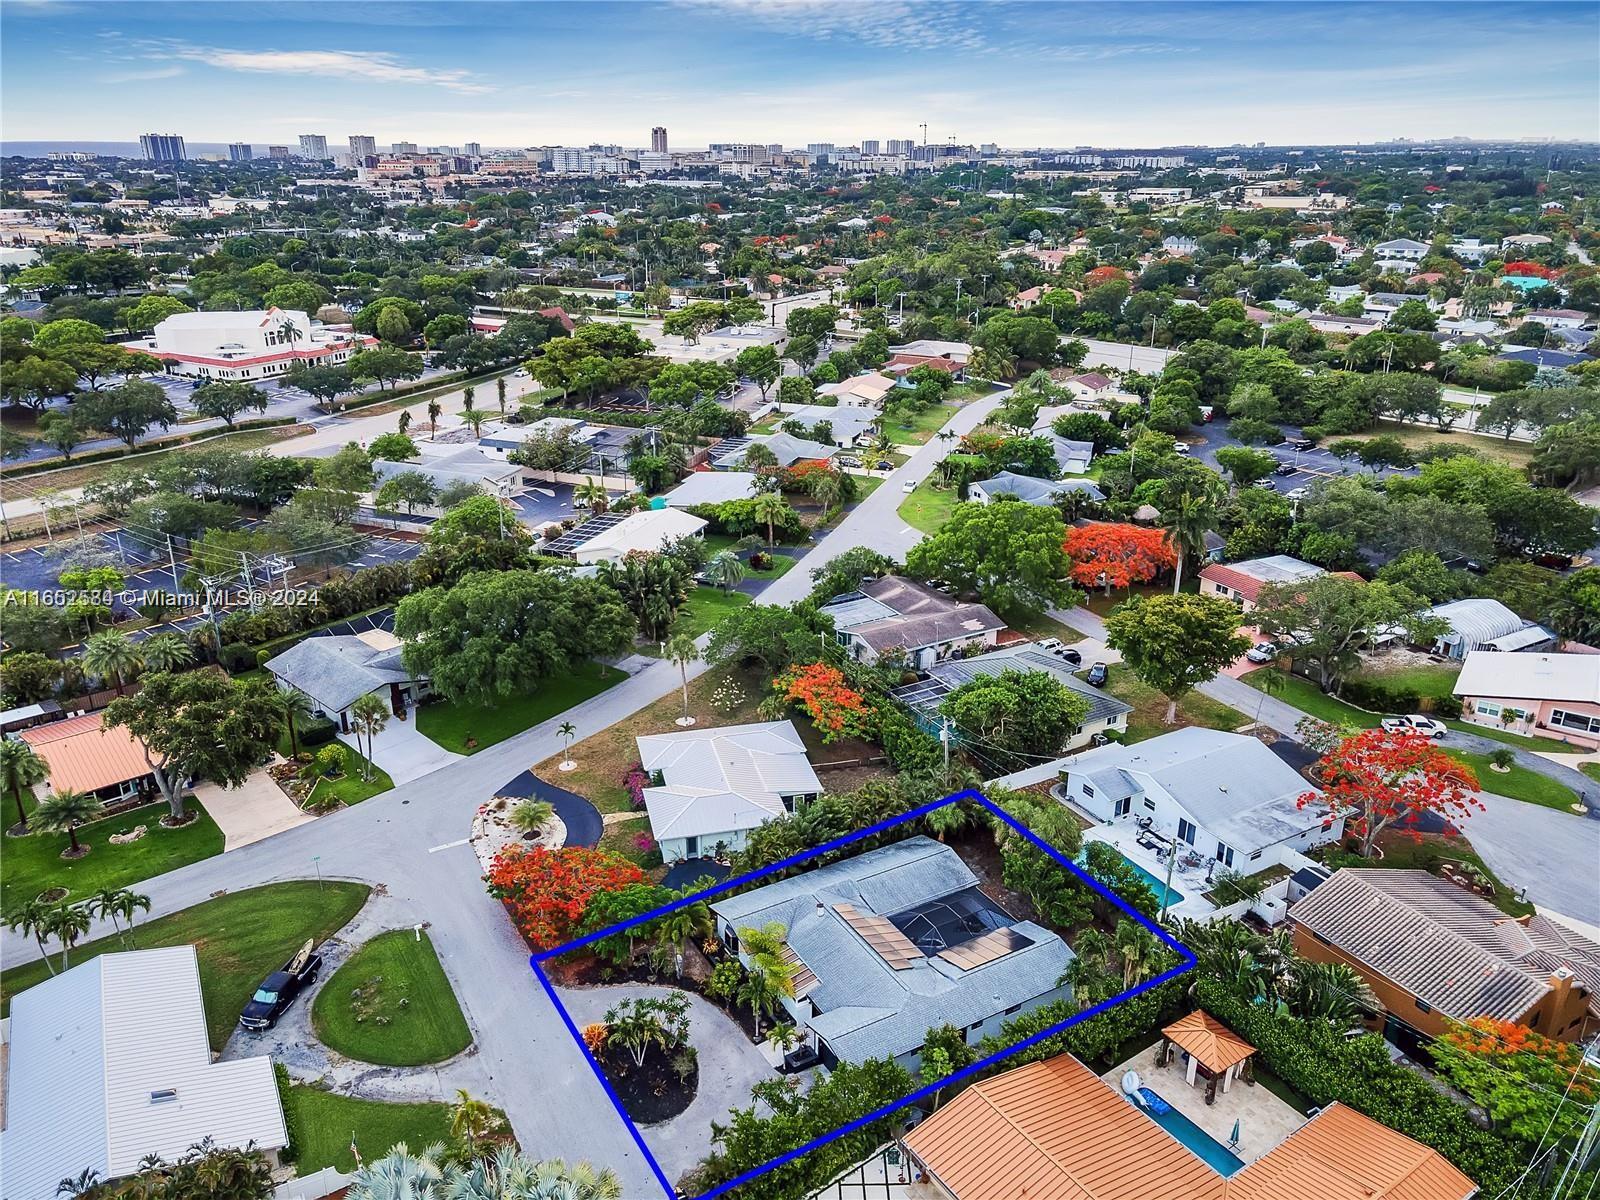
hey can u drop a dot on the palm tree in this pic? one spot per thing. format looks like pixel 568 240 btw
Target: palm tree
pixel 1138 948
pixel 567 732
pixel 434 410
pixel 1188 512
pixel 767 976
pixel 470 1119
pixel 683 926
pixel 21 769
pixel 127 903
pixel 63 812
pixel 681 650
pixel 32 919
pixel 593 494
pixel 759 456
pixel 400 1175
pixel 475 419
pixel 67 923
pixel 467 393
pixel 531 815
pixel 500 393
pixel 167 652
pixel 369 715
pixel 295 706
pixel 403 422
pixel 947 819
pixel 110 655
pixel 770 508
pixel 1272 682
pixel 725 570
pixel 508 1174
pixel 827 489
pixel 291 333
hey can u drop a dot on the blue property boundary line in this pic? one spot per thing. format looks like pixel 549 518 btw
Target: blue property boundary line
pixel 537 961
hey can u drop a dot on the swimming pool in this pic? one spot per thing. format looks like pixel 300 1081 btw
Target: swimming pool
pixel 1205 1147
pixel 1157 888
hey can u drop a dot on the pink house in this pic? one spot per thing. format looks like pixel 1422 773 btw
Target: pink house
pixel 1542 695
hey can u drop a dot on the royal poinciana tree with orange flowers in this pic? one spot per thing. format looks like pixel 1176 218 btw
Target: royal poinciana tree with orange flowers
pixel 1534 1087
pixel 1111 555
pixel 835 708
pixel 1380 780
pixel 547 891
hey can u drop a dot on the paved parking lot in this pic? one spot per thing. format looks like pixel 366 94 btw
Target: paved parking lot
pixel 1310 466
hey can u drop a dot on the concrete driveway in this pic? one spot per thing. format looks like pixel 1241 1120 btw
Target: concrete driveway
pixel 1551 855
pixel 256 809
pixel 404 751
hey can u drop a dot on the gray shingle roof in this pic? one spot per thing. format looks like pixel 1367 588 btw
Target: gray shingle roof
pixel 943 678
pixel 866 1009
pixel 896 611
pixel 1037 491
pixel 334 671
pixel 1446 946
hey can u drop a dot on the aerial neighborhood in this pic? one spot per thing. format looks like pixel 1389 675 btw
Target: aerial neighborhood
pixel 921 668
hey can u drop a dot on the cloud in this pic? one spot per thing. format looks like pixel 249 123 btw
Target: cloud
pixel 142 76
pixel 372 66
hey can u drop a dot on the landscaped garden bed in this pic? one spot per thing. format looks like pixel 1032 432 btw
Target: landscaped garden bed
pixel 643 1047
pixel 391 1003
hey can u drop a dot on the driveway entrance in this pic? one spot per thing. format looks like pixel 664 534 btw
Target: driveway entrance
pixel 403 751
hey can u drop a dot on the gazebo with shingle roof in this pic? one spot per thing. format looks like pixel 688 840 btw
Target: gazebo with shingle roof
pixel 1214 1051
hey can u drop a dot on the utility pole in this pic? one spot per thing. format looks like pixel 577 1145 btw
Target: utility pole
pixel 944 740
pixel 1172 861
pixel 172 557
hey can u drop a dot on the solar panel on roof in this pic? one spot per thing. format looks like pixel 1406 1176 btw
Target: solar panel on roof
pixel 803 979
pixel 569 542
pixel 880 934
pixel 986 949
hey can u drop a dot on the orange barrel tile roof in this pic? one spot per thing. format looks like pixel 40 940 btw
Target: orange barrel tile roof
pixel 1210 1041
pixel 84 756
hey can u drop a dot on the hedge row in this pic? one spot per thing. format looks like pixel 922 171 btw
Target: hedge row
pixel 631 419
pixel 1381 696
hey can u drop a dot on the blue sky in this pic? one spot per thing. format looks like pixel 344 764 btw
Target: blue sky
pixel 1021 74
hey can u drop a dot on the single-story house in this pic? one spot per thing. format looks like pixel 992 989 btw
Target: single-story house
pixel 26 716
pixel 1334 323
pixel 868 389
pixel 1029 489
pixel 338 669
pixel 110 1062
pixel 85 755
pixel 1484 624
pixel 610 537
pixel 894 612
pixel 957 352
pixel 1436 954
pixel 850 423
pixel 1072 457
pixel 1242 582
pixel 1561 318
pixel 787 448
pixel 923 698
pixel 466 464
pixel 1555 359
pixel 1542 695
pixel 901 365
pixel 1054 1128
pixel 712 487
pixel 715 785
pixel 1224 795
pixel 1089 385
pixel 893 942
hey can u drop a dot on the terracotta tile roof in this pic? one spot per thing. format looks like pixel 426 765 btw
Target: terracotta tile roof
pixel 1054 1131
pixel 1244 585
pixel 85 757
pixel 1341 1155
pixel 1210 1041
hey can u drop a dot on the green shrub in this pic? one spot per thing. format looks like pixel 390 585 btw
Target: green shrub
pixel 315 732
pixel 724 981
pixel 1447 706
pixel 236 656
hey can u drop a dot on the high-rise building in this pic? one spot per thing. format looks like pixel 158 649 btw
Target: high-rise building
pixel 277 152
pixel 402 148
pixel 240 152
pixel 363 146
pixel 313 145
pixel 816 148
pixel 901 146
pixel 473 150
pixel 658 139
pixel 870 146
pixel 162 147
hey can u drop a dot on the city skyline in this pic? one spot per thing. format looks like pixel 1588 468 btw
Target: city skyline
pixel 798 72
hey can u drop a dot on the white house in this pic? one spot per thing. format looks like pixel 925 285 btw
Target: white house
pixel 612 536
pixel 712 487
pixel 1221 797
pixel 1403 249
pixel 849 424
pixel 447 464
pixel 248 345
pixel 1561 318
pixel 337 670
pixel 1030 490
pixel 712 786
pixel 109 1062
pixel 895 613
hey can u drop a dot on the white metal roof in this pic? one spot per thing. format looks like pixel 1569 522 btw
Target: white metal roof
pixel 1476 620
pixel 712 487
pixel 647 530
pixel 723 780
pixel 93 1054
pixel 1570 677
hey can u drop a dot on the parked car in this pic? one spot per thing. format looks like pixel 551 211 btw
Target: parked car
pixel 1050 644
pixel 1416 723
pixel 1098 674
pixel 1284 468
pixel 883 464
pixel 1299 493
pixel 908 486
pixel 278 990
pixel 1180 448
pixel 1266 485
pixel 847 460
pixel 1071 655
pixel 1301 443
pixel 1262 652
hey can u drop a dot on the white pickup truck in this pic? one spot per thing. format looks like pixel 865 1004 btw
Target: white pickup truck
pixel 1416 723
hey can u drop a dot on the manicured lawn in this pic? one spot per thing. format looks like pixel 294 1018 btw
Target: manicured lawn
pixel 928 508
pixel 1149 715
pixel 240 939
pixel 1592 770
pixel 707 606
pixel 450 724
pixel 1517 454
pixel 351 787
pixel 390 1003
pixel 914 429
pixel 34 863
pixel 321 1124
pixel 1519 783
pixel 1310 699
pixel 1520 740
pixel 1039 626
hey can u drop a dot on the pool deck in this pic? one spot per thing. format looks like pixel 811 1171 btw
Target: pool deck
pixel 1188 884
pixel 1264 1120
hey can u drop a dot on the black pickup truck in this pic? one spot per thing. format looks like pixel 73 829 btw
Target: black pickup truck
pixel 278 990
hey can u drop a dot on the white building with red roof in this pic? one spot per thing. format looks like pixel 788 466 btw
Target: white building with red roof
pixel 241 346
